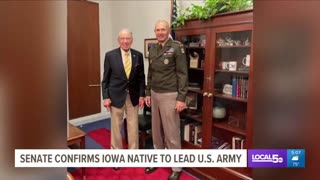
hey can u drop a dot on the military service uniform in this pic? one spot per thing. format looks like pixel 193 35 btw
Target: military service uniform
pixel 167 83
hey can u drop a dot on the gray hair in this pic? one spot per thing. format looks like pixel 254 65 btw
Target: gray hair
pixel 164 22
pixel 124 30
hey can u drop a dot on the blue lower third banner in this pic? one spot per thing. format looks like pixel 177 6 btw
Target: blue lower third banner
pixel 276 158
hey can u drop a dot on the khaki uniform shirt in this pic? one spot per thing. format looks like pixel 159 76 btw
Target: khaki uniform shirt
pixel 168 71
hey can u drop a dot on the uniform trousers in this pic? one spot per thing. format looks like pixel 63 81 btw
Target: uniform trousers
pixel 165 122
pixel 132 125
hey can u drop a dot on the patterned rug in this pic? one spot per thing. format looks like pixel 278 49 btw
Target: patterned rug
pixel 102 137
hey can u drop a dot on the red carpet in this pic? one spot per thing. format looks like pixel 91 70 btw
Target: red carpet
pixel 102 136
pixel 127 174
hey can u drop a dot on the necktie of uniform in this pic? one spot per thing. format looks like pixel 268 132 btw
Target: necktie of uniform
pixel 127 64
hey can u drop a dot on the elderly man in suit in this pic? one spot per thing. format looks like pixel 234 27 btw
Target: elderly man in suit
pixel 123 88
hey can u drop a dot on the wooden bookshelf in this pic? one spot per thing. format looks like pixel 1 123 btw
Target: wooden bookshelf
pixel 220 30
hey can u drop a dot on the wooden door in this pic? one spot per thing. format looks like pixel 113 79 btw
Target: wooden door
pixel 83 59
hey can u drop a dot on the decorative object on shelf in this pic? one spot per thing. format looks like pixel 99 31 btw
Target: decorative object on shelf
pixel 194 60
pixel 232 65
pixel 237 42
pixel 219 112
pixel 243 68
pixel 229 41
pixel 191 100
pixel 224 65
pixel 221 42
pixel 148 43
pixel 233 121
pixel 203 43
pixel 227 89
pixel 246 60
pixel 246 42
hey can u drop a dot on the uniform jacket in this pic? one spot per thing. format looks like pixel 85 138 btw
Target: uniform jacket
pixel 115 84
pixel 168 71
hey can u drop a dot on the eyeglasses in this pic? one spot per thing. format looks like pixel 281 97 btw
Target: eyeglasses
pixel 125 38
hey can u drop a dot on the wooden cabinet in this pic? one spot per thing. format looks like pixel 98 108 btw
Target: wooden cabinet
pixel 219 101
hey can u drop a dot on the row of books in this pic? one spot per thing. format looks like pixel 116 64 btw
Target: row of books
pixel 192 132
pixel 240 86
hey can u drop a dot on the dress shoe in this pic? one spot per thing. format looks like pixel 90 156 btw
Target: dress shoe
pixel 149 170
pixel 116 168
pixel 174 175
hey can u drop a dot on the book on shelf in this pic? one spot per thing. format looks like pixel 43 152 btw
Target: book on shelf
pixel 237 142
pixel 225 145
pixel 239 86
pixel 192 132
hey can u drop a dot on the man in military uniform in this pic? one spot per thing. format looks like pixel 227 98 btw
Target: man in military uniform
pixel 166 91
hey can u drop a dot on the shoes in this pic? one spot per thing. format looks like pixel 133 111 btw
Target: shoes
pixel 174 175
pixel 116 168
pixel 149 170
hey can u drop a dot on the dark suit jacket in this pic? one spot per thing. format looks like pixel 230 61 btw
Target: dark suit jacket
pixel 115 84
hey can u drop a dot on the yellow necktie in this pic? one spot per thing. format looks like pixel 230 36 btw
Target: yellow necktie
pixel 127 64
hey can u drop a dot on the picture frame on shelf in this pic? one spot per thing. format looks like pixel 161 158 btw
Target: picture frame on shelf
pixel 191 100
pixel 148 43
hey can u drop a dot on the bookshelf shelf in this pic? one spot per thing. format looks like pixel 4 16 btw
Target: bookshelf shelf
pixel 238 46
pixel 226 126
pixel 197 69
pixel 226 96
pixel 196 117
pixel 199 91
pixel 232 72
pixel 188 145
pixel 195 47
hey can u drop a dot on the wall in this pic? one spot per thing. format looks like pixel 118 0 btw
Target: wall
pixel 139 16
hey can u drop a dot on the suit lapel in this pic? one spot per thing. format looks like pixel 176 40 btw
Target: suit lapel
pixel 134 61
pixel 120 63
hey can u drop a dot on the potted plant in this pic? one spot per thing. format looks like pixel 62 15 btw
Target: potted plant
pixel 208 9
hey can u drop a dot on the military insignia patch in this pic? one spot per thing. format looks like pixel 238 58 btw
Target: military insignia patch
pixel 182 50
pixel 166 61
pixel 171 50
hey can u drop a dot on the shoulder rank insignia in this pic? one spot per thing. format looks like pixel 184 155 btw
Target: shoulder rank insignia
pixel 182 49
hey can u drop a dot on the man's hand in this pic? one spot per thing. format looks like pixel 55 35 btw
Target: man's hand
pixel 148 101
pixel 107 104
pixel 180 106
pixel 141 102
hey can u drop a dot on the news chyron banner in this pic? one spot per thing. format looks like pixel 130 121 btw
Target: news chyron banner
pixel 252 158
pixel 276 158
pixel 130 158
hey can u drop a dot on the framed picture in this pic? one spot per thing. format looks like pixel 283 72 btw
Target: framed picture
pixel 148 43
pixel 191 100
